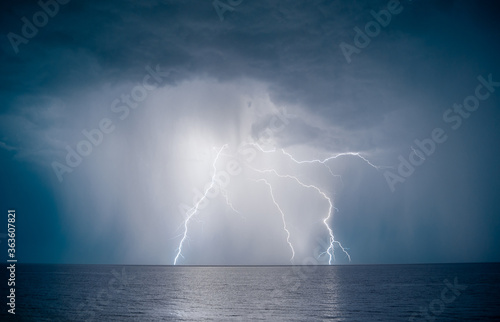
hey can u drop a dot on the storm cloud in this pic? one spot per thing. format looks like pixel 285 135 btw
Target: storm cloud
pixel 167 83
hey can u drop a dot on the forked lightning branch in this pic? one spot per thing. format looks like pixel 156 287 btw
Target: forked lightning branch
pixel 246 153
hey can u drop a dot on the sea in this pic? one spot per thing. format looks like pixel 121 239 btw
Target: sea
pixel 424 292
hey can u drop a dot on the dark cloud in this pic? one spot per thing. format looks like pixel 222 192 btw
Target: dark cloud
pixel 227 80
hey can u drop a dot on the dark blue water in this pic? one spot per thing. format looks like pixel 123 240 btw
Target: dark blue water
pixel 315 293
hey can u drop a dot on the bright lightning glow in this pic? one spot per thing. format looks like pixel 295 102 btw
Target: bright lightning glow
pixel 191 212
pixel 282 218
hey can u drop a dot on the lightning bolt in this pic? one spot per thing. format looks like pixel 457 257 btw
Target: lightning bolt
pixel 418 153
pixel 332 241
pixel 191 212
pixel 261 148
pixel 330 250
pixel 326 219
pixel 335 156
pixel 228 202
pixel 282 217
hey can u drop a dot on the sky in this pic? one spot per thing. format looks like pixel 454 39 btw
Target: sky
pixel 117 117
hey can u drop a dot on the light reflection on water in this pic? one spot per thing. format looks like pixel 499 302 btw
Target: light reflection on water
pixel 276 293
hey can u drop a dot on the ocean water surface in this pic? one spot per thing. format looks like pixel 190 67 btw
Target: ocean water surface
pixel 443 292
